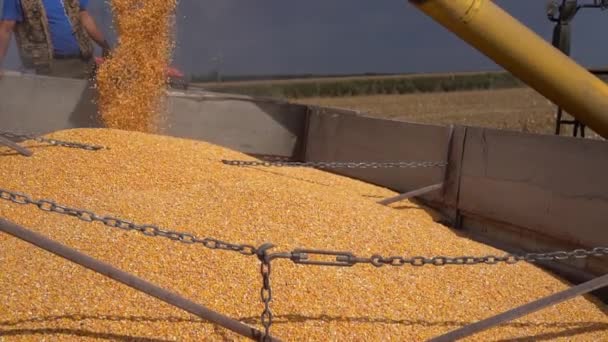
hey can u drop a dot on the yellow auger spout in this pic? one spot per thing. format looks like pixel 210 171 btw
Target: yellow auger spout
pixel 515 47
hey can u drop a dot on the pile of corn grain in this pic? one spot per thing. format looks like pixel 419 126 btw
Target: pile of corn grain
pixel 182 185
pixel 131 82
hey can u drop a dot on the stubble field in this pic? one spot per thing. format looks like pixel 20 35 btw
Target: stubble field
pixel 520 109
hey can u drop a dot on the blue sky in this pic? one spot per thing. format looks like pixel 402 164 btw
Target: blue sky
pixel 343 36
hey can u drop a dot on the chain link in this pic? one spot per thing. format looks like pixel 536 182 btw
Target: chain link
pixel 297 256
pixel 266 290
pixel 148 230
pixel 347 259
pixel 335 165
pixel 266 295
pixel 54 142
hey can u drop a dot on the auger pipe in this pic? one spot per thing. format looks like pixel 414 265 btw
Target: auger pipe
pixel 509 43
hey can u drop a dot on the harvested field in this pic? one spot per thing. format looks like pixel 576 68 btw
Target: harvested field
pixel 520 109
pixel 365 85
pixel 182 185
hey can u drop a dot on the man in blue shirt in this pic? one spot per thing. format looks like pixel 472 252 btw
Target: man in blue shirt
pixel 53 35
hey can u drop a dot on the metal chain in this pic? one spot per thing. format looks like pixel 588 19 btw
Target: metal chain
pixel 266 295
pixel 335 165
pixel 275 158
pixel 347 259
pixel 148 230
pixel 54 142
pixel 266 290
pixel 298 256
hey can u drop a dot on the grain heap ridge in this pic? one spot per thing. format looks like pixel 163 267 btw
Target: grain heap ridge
pixel 182 183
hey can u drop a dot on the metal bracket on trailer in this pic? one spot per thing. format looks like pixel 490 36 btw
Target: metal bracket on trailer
pixel 130 280
pixel 411 194
pixel 14 146
pixel 430 188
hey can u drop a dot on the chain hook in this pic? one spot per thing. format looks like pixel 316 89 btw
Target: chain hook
pixel 261 252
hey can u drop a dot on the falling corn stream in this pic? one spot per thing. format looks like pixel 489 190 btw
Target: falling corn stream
pixel 132 81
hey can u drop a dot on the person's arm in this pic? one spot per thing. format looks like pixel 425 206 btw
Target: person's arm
pixel 91 27
pixel 6 29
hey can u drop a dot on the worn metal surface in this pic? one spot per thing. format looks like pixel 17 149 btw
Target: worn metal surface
pixel 527 188
pixel 340 135
pixel 39 104
pixel 555 186
pixel 522 192
pixel 446 200
pixel 519 240
pixel 524 310
pixel 431 188
pixel 128 279
pixel 242 123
